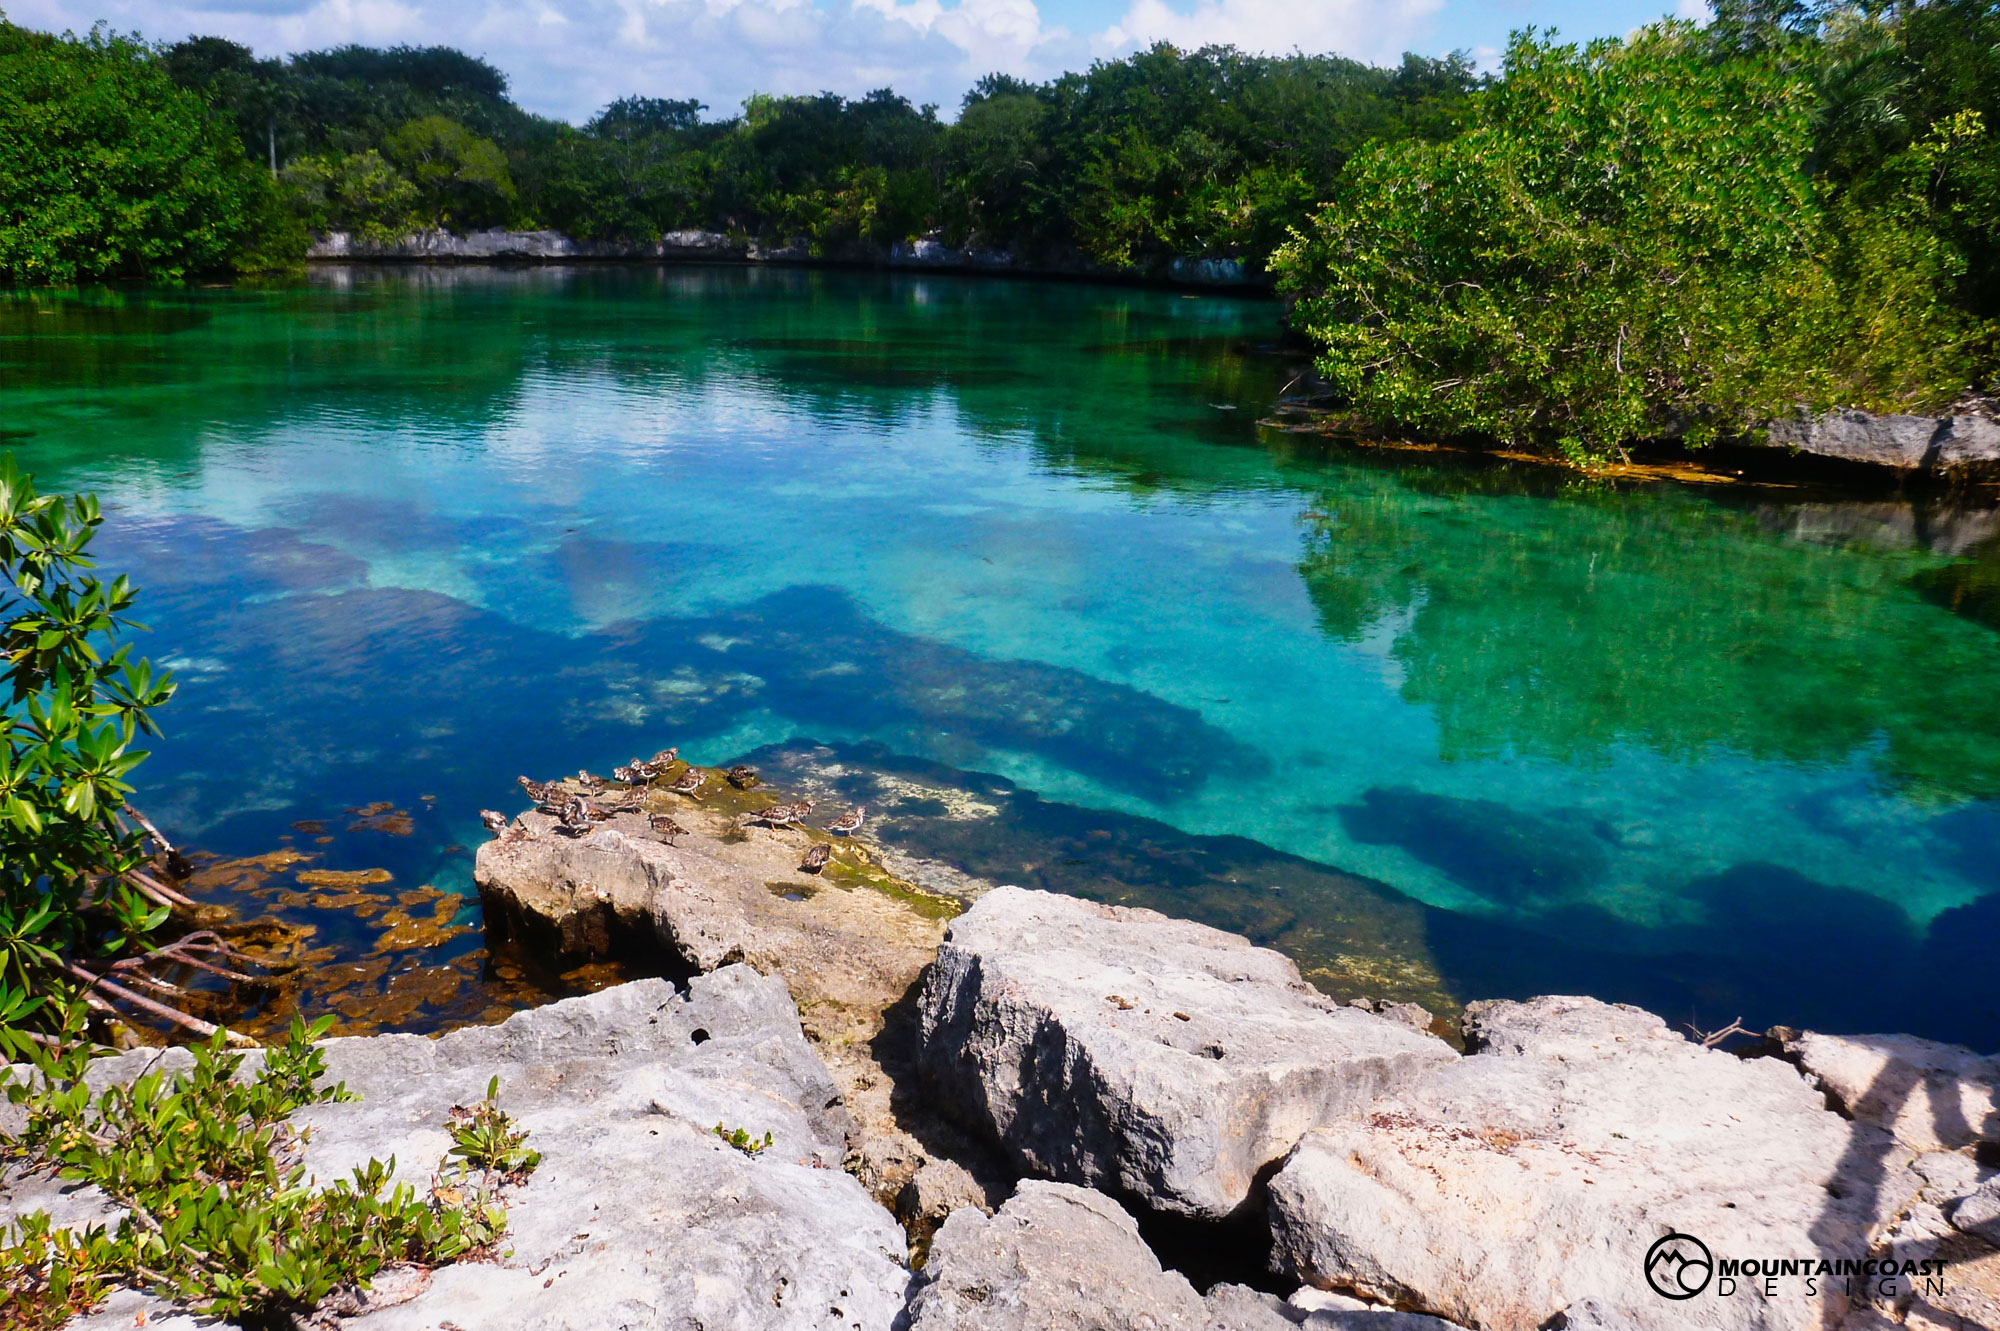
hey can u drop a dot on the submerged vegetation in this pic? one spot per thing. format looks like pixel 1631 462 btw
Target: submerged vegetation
pixel 1682 232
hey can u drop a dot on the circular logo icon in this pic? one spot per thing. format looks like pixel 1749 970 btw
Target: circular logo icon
pixel 1679 1266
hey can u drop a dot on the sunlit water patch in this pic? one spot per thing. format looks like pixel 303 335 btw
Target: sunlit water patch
pixel 1434 727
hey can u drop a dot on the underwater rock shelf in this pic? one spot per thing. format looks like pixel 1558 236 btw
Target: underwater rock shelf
pixel 998 1108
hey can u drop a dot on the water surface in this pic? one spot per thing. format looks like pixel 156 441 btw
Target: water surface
pixel 406 533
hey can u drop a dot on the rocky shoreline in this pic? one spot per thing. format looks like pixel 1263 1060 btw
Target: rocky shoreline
pixel 923 254
pixel 999 1108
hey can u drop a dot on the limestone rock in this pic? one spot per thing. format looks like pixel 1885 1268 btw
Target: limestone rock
pixel 848 952
pixel 1536 1174
pixel 1860 436
pixel 1240 1308
pixel 639 1215
pixel 1979 1213
pixel 1322 1310
pixel 1055 1256
pixel 1933 1097
pixel 1159 1058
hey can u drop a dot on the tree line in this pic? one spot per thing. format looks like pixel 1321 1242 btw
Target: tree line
pixel 1676 232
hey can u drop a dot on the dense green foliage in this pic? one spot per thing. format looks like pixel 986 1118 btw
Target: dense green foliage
pixel 1136 161
pixel 109 169
pixel 1684 232
pixel 75 706
pixel 219 1214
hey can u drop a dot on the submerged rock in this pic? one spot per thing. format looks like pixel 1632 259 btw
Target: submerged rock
pixel 1933 1097
pixel 1539 1172
pixel 1157 1058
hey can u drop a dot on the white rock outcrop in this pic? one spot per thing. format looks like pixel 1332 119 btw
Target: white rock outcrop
pixel 1536 1174
pixel 639 1216
pixel 1155 1058
pixel 1933 1097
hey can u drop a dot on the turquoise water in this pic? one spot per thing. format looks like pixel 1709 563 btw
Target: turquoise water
pixel 407 533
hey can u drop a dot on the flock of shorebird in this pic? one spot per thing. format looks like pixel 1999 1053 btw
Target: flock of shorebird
pixel 577 811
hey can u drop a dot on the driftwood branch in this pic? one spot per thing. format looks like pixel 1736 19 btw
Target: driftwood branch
pixel 1710 1039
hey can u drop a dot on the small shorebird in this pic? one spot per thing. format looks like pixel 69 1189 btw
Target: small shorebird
pixel 783 815
pixel 496 823
pixel 742 777
pixel 850 822
pixel 630 800
pixel 664 759
pixel 630 774
pixel 665 828
pixel 589 780
pixel 535 789
pixel 689 782
pixel 575 817
pixel 817 855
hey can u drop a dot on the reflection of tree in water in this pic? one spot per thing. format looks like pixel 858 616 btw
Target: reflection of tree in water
pixel 1559 628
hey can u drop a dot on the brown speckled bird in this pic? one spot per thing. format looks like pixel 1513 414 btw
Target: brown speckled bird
pixel 817 855
pixel 536 791
pixel 742 777
pixel 665 828
pixel 850 822
pixel 664 759
pixel 496 823
pixel 630 774
pixel 689 782
pixel 783 815
pixel 575 817
pixel 589 780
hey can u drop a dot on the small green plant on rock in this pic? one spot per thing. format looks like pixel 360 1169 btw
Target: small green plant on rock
pixel 484 1138
pixel 218 1212
pixel 743 1141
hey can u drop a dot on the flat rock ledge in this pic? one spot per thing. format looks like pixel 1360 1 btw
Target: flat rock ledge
pixel 1155 1058
pixel 639 1216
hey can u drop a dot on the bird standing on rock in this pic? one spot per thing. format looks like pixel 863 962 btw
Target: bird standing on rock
pixel 496 823
pixel 742 777
pixel 664 759
pixel 850 822
pixel 782 815
pixel 817 855
pixel 689 782
pixel 665 828
pixel 630 774
pixel 589 780
pixel 575 817
pixel 536 791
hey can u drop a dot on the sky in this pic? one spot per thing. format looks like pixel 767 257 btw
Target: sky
pixel 567 58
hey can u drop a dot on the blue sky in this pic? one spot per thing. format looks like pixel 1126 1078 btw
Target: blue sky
pixel 569 57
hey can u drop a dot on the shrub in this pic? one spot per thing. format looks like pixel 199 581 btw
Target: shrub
pixel 1626 243
pixel 107 169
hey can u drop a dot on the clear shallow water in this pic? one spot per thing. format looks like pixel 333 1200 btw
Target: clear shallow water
pixel 408 533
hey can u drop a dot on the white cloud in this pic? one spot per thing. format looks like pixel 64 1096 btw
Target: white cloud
pixel 1379 30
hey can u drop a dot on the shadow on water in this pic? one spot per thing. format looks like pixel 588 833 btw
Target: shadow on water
pixel 1772 947
pixel 1501 853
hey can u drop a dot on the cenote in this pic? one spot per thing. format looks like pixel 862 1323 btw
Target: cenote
pixel 1439 729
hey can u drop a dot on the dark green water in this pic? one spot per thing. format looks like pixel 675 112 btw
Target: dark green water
pixel 408 533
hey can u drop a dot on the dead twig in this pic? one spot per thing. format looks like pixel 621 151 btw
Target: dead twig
pixel 1710 1039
